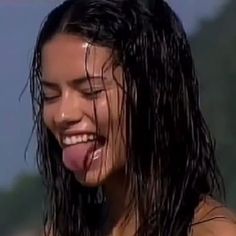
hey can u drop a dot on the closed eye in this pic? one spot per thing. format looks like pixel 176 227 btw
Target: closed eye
pixel 92 94
pixel 49 97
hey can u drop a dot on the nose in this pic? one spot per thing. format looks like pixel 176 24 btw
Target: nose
pixel 68 111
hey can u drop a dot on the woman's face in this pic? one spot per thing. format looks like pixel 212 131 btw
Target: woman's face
pixel 83 114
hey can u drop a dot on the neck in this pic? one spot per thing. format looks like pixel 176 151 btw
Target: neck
pixel 122 217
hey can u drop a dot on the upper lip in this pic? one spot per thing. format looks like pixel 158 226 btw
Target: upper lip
pixel 75 133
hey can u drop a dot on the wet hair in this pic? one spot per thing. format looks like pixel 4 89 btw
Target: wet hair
pixel 170 155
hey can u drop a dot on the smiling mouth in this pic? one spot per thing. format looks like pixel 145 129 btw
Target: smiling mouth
pixel 79 151
pixel 82 138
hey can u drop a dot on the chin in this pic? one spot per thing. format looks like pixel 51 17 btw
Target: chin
pixel 93 178
pixel 98 178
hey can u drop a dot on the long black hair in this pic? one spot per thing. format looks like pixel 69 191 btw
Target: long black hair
pixel 170 155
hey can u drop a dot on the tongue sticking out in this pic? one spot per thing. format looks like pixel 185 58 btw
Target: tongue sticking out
pixel 75 156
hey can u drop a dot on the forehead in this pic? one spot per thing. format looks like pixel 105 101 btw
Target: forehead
pixel 68 56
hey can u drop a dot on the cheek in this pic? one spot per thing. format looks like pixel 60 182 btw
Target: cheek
pixel 101 119
pixel 109 110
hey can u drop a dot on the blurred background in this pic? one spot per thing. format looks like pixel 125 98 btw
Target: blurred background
pixel 211 28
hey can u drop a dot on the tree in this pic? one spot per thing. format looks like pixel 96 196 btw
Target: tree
pixel 214 50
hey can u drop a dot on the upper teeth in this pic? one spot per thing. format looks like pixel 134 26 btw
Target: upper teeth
pixel 70 140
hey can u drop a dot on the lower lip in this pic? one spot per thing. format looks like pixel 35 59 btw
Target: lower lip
pixel 94 160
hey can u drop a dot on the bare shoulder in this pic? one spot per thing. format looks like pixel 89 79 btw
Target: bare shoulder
pixel 213 219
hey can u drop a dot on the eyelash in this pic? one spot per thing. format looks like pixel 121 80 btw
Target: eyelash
pixel 48 98
pixel 93 94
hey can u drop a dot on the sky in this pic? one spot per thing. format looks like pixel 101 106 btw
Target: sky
pixel 19 24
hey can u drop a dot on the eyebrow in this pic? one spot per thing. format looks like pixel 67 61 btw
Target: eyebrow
pixel 48 84
pixel 77 81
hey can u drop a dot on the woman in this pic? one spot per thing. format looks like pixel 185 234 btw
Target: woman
pixel 122 145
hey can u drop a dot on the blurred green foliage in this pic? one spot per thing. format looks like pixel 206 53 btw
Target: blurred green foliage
pixel 214 51
pixel 22 205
